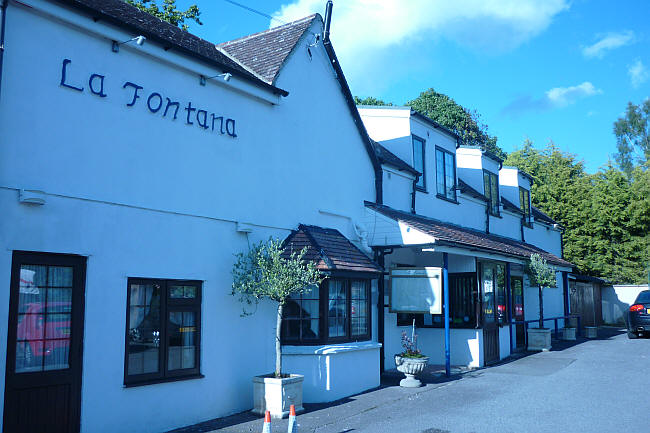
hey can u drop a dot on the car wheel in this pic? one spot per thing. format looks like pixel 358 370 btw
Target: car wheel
pixel 632 335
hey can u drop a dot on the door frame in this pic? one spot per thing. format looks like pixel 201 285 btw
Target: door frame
pixel 517 328
pixel 75 356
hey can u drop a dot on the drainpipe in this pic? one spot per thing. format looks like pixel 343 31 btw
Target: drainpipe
pixel 415 181
pixel 380 255
pixel 487 217
pixel 328 21
pixel 5 3
pixel 522 228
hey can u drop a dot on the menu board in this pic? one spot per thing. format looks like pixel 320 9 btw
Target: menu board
pixel 416 290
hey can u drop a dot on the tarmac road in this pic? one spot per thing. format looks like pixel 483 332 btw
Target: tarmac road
pixel 598 385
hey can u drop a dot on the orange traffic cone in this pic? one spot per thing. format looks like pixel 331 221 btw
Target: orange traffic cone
pixel 267 422
pixel 293 426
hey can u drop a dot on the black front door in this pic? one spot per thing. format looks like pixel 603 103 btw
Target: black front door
pixel 517 285
pixel 45 334
pixel 491 306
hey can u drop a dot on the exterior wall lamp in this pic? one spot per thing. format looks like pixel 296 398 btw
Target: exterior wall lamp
pixel 226 77
pixel 139 40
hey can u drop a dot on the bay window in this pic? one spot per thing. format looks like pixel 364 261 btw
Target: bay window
pixel 338 311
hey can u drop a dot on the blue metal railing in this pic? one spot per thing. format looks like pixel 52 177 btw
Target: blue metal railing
pixel 554 319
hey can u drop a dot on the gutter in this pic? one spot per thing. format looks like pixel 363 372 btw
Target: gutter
pixel 3 7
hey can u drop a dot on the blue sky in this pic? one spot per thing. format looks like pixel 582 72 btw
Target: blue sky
pixel 548 70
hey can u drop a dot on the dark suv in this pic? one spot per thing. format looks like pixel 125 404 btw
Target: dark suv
pixel 638 317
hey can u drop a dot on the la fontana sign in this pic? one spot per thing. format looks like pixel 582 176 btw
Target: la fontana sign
pixel 156 103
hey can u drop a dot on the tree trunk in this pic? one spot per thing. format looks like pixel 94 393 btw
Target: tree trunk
pixel 278 344
pixel 541 308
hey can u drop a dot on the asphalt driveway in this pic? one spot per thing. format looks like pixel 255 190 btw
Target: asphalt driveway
pixel 588 386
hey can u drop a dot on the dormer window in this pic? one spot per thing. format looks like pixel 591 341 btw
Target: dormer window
pixel 491 191
pixel 524 204
pixel 445 174
pixel 418 161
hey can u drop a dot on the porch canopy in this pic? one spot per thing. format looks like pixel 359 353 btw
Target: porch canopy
pixel 393 228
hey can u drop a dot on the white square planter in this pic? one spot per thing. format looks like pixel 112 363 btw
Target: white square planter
pixel 277 395
pixel 539 339
pixel 591 331
pixel 569 334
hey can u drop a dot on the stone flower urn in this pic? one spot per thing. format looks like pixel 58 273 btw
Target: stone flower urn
pixel 411 367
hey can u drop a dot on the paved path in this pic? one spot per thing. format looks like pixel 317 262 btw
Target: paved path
pixel 592 386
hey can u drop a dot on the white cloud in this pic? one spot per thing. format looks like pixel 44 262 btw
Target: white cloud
pixel 563 96
pixel 608 42
pixel 557 97
pixel 363 29
pixel 638 73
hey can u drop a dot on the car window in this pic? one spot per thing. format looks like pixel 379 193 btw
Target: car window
pixel 643 297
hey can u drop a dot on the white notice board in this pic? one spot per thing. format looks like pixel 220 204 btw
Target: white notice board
pixel 416 290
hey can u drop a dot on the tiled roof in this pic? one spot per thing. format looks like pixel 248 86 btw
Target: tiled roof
pixel 466 189
pixel 508 205
pixel 541 216
pixel 329 249
pixel 265 52
pixel 464 237
pixel 137 22
pixel 389 158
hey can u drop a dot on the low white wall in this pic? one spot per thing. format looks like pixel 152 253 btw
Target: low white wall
pixel 616 300
pixel 553 302
pixel 504 342
pixel 465 344
pixel 334 371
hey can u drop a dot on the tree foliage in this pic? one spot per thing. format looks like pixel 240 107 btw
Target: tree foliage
pixel 542 276
pixel 633 136
pixel 371 101
pixel 606 216
pixel 265 272
pixel 466 123
pixel 168 12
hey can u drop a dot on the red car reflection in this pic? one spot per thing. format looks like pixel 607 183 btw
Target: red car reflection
pixel 43 339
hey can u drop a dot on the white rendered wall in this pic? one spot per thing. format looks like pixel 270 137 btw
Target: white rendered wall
pixel 333 372
pixel 544 237
pixel 147 196
pixel 553 302
pixel 617 300
pixel 396 186
pixel 390 126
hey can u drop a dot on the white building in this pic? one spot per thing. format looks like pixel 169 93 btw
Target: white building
pixel 130 175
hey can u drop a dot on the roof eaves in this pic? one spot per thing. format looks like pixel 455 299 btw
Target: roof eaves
pixel 465 188
pixel 100 9
pixel 435 124
pixel 508 205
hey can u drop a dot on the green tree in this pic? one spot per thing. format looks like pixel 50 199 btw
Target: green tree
pixel 168 12
pixel 370 101
pixel 633 136
pixel 542 276
pixel 466 123
pixel 267 271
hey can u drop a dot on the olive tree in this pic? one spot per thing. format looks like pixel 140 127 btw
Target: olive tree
pixel 270 270
pixel 541 275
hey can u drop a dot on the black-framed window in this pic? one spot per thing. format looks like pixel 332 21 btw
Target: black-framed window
pixel 418 161
pixel 524 204
pixel 338 311
pixel 163 330
pixel 491 190
pixel 493 284
pixel 445 174
pixel 463 296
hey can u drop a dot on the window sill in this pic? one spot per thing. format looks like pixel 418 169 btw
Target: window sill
pixel 442 197
pixel 422 190
pixel 330 349
pixel 165 380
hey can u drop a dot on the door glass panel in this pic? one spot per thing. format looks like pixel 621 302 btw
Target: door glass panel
pixel 502 313
pixel 517 299
pixel 144 328
pixel 487 282
pixel 43 331
pixel 182 340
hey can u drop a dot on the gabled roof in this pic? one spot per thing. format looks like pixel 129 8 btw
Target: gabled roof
pixel 329 249
pixel 389 158
pixel 466 189
pixel 265 52
pixel 132 19
pixel 541 216
pixel 508 205
pixel 451 234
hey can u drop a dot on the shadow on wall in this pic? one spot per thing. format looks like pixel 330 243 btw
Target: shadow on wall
pixel 616 301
